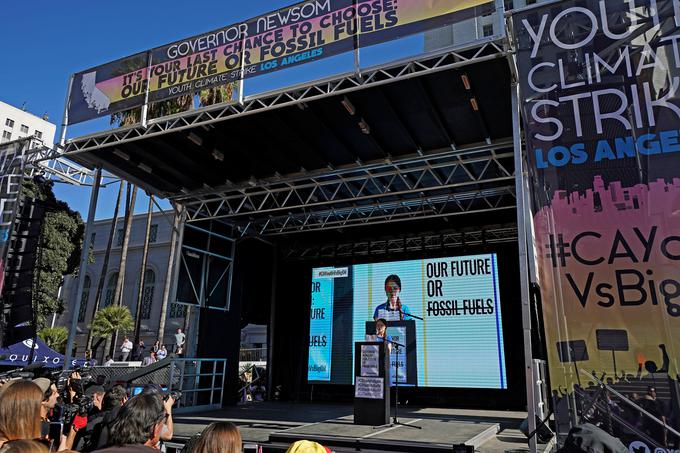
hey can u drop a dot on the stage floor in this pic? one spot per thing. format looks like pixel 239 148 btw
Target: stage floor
pixel 276 425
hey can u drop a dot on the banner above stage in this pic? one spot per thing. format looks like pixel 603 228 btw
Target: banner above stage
pixel 295 35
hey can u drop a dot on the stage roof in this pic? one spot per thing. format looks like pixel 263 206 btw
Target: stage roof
pixel 426 137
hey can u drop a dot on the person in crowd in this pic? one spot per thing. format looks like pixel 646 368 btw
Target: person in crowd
pixel 113 402
pixel 20 411
pixel 139 351
pixel 655 407
pixel 80 435
pixel 50 397
pixel 138 427
pixel 307 446
pixel 25 446
pixel 167 401
pixel 156 346
pixel 393 309
pixel 162 353
pixel 125 349
pixel 108 361
pixel 180 339
pixel 151 358
pixel 219 437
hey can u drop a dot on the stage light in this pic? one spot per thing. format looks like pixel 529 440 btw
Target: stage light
pixel 466 81
pixel 195 138
pixel 348 106
pixel 475 106
pixel 144 167
pixel 365 128
pixel 217 155
pixel 121 154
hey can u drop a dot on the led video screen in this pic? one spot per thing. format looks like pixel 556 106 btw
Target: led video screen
pixel 444 313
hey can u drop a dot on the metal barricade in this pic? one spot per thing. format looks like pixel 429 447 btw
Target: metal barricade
pixel 201 382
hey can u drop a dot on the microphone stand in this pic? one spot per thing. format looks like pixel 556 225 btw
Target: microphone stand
pixel 395 419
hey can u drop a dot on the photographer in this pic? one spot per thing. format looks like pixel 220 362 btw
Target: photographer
pixel 83 426
pixel 113 401
pixel 168 400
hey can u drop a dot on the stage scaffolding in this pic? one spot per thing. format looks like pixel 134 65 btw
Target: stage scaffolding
pixel 455 178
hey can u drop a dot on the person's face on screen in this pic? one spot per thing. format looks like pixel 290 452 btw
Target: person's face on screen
pixel 392 290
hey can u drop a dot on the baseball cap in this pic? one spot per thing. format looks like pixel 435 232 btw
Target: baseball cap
pixel 43 383
pixel 307 446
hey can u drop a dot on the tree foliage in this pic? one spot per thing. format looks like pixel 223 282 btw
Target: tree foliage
pixel 55 337
pixel 111 319
pixel 60 246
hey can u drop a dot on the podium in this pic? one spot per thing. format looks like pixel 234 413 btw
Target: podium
pixel 371 383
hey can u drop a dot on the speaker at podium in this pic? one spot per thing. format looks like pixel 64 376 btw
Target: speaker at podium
pixel 403 332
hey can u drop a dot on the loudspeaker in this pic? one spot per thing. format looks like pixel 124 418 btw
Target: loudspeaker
pixel 16 313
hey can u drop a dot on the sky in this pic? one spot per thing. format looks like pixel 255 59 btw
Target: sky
pixel 43 42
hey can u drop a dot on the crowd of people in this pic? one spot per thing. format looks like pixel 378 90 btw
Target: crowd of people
pixel 37 417
pixel 128 351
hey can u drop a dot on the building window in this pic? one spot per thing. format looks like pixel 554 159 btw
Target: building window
pixel 83 299
pixel 178 310
pixel 487 30
pixel 9 123
pixel 110 290
pixel 6 135
pixel 119 237
pixel 38 134
pixel 153 233
pixel 24 129
pixel 147 295
pixel 93 236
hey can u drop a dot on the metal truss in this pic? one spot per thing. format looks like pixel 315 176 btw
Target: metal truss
pixel 405 69
pixel 449 205
pixel 48 161
pixel 399 245
pixel 447 169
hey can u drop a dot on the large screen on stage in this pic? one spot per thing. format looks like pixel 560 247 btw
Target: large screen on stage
pixel 446 312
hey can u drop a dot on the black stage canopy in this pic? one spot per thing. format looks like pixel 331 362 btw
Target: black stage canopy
pixel 423 138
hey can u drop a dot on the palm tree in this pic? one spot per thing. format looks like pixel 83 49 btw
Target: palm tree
pixel 222 93
pixel 110 320
pixel 55 337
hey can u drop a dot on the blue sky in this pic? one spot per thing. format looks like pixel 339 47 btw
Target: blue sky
pixel 43 42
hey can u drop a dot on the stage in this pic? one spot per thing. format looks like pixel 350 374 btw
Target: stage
pixel 276 425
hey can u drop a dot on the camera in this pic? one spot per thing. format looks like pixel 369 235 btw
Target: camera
pixel 175 394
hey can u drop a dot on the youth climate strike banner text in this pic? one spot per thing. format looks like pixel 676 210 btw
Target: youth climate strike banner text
pixel 599 85
pixel 291 36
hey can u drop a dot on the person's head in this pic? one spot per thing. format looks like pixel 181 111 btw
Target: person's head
pixel 141 342
pixel 163 347
pixel 157 343
pixel 307 446
pixel 392 287
pixel 219 437
pixel 125 338
pixel 179 330
pixel 20 410
pixel 380 326
pixel 651 391
pixel 108 357
pixel 50 393
pixel 96 392
pixel 24 446
pixel 139 421
pixel 115 397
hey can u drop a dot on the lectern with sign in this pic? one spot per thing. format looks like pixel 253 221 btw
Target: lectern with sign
pixel 371 383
